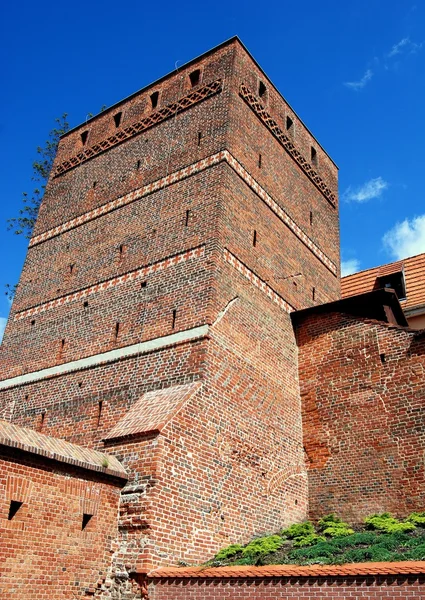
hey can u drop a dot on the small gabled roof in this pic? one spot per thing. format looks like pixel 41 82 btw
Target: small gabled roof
pixel 413 268
pixel 153 411
pixel 380 305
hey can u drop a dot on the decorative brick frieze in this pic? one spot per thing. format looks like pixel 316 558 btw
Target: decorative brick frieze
pixel 274 206
pixel 153 119
pixel 255 280
pixel 105 285
pixel 179 175
pixel 286 142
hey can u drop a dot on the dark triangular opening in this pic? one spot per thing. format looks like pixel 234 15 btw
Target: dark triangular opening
pixel 86 520
pixel 13 508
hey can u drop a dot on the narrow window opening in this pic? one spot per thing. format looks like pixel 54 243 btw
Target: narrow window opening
pixel 154 99
pixel 254 238
pixel 199 137
pixel 71 269
pixel 295 284
pixel 26 396
pixel 13 508
pixel 80 384
pixel 311 217
pixel 86 520
pixel 313 156
pixel 143 284
pixel 313 293
pixel 195 77
pixel 187 218
pixel 86 303
pixel 99 412
pixel 42 419
pixel 174 319
pixel 84 137
pixel 289 124
pixel 261 89
pixel 117 119
pixel 116 331
pixel 33 322
pixel 61 349
pixel 383 358
pixel 260 160
pixel 122 250
pixel 138 164
pixel 94 184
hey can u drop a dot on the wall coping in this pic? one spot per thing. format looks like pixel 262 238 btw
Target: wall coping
pixel 246 571
pixel 27 440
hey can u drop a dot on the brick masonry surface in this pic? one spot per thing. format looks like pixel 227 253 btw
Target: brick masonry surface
pixel 362 389
pixel 45 551
pixel 260 587
pixel 181 232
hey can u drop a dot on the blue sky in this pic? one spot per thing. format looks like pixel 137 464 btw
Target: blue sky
pixel 354 72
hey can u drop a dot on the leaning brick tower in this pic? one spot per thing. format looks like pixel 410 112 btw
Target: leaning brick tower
pixel 178 231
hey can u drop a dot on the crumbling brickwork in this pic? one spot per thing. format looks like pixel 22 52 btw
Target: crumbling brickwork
pixel 362 391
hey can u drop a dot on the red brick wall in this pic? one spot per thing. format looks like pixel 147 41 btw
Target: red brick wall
pixel 362 389
pixel 229 464
pixel 44 553
pixel 337 588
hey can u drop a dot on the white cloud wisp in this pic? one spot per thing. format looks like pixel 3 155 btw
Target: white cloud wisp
pixel 369 190
pixel 350 266
pixel 404 45
pixel 359 85
pixel 406 238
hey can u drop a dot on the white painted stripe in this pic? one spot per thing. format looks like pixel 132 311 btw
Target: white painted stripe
pixel 111 356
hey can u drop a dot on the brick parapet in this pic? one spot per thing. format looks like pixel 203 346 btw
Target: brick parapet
pixel 389 581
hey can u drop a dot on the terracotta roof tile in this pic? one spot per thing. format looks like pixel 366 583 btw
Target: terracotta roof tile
pixel 414 274
pixel 355 569
pixel 31 441
pixel 153 411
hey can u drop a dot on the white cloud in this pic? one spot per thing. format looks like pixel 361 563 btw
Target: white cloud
pixel 406 238
pixel 3 322
pixel 404 45
pixel 371 189
pixel 358 85
pixel 352 265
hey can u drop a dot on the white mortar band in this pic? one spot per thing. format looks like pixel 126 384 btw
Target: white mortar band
pixel 105 357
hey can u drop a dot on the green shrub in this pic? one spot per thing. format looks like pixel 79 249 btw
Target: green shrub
pixel 417 553
pixel 357 555
pixel 338 530
pixel 308 540
pixel 299 530
pixel 386 522
pixel 228 552
pixel 363 538
pixel 391 541
pixel 333 526
pixel 263 545
pixel 321 549
pixel 417 518
pixel 329 520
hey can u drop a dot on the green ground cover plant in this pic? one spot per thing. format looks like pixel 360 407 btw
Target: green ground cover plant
pixel 332 541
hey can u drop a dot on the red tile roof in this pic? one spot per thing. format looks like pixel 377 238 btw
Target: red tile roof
pixel 414 274
pixel 354 569
pixel 153 411
pixel 31 441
